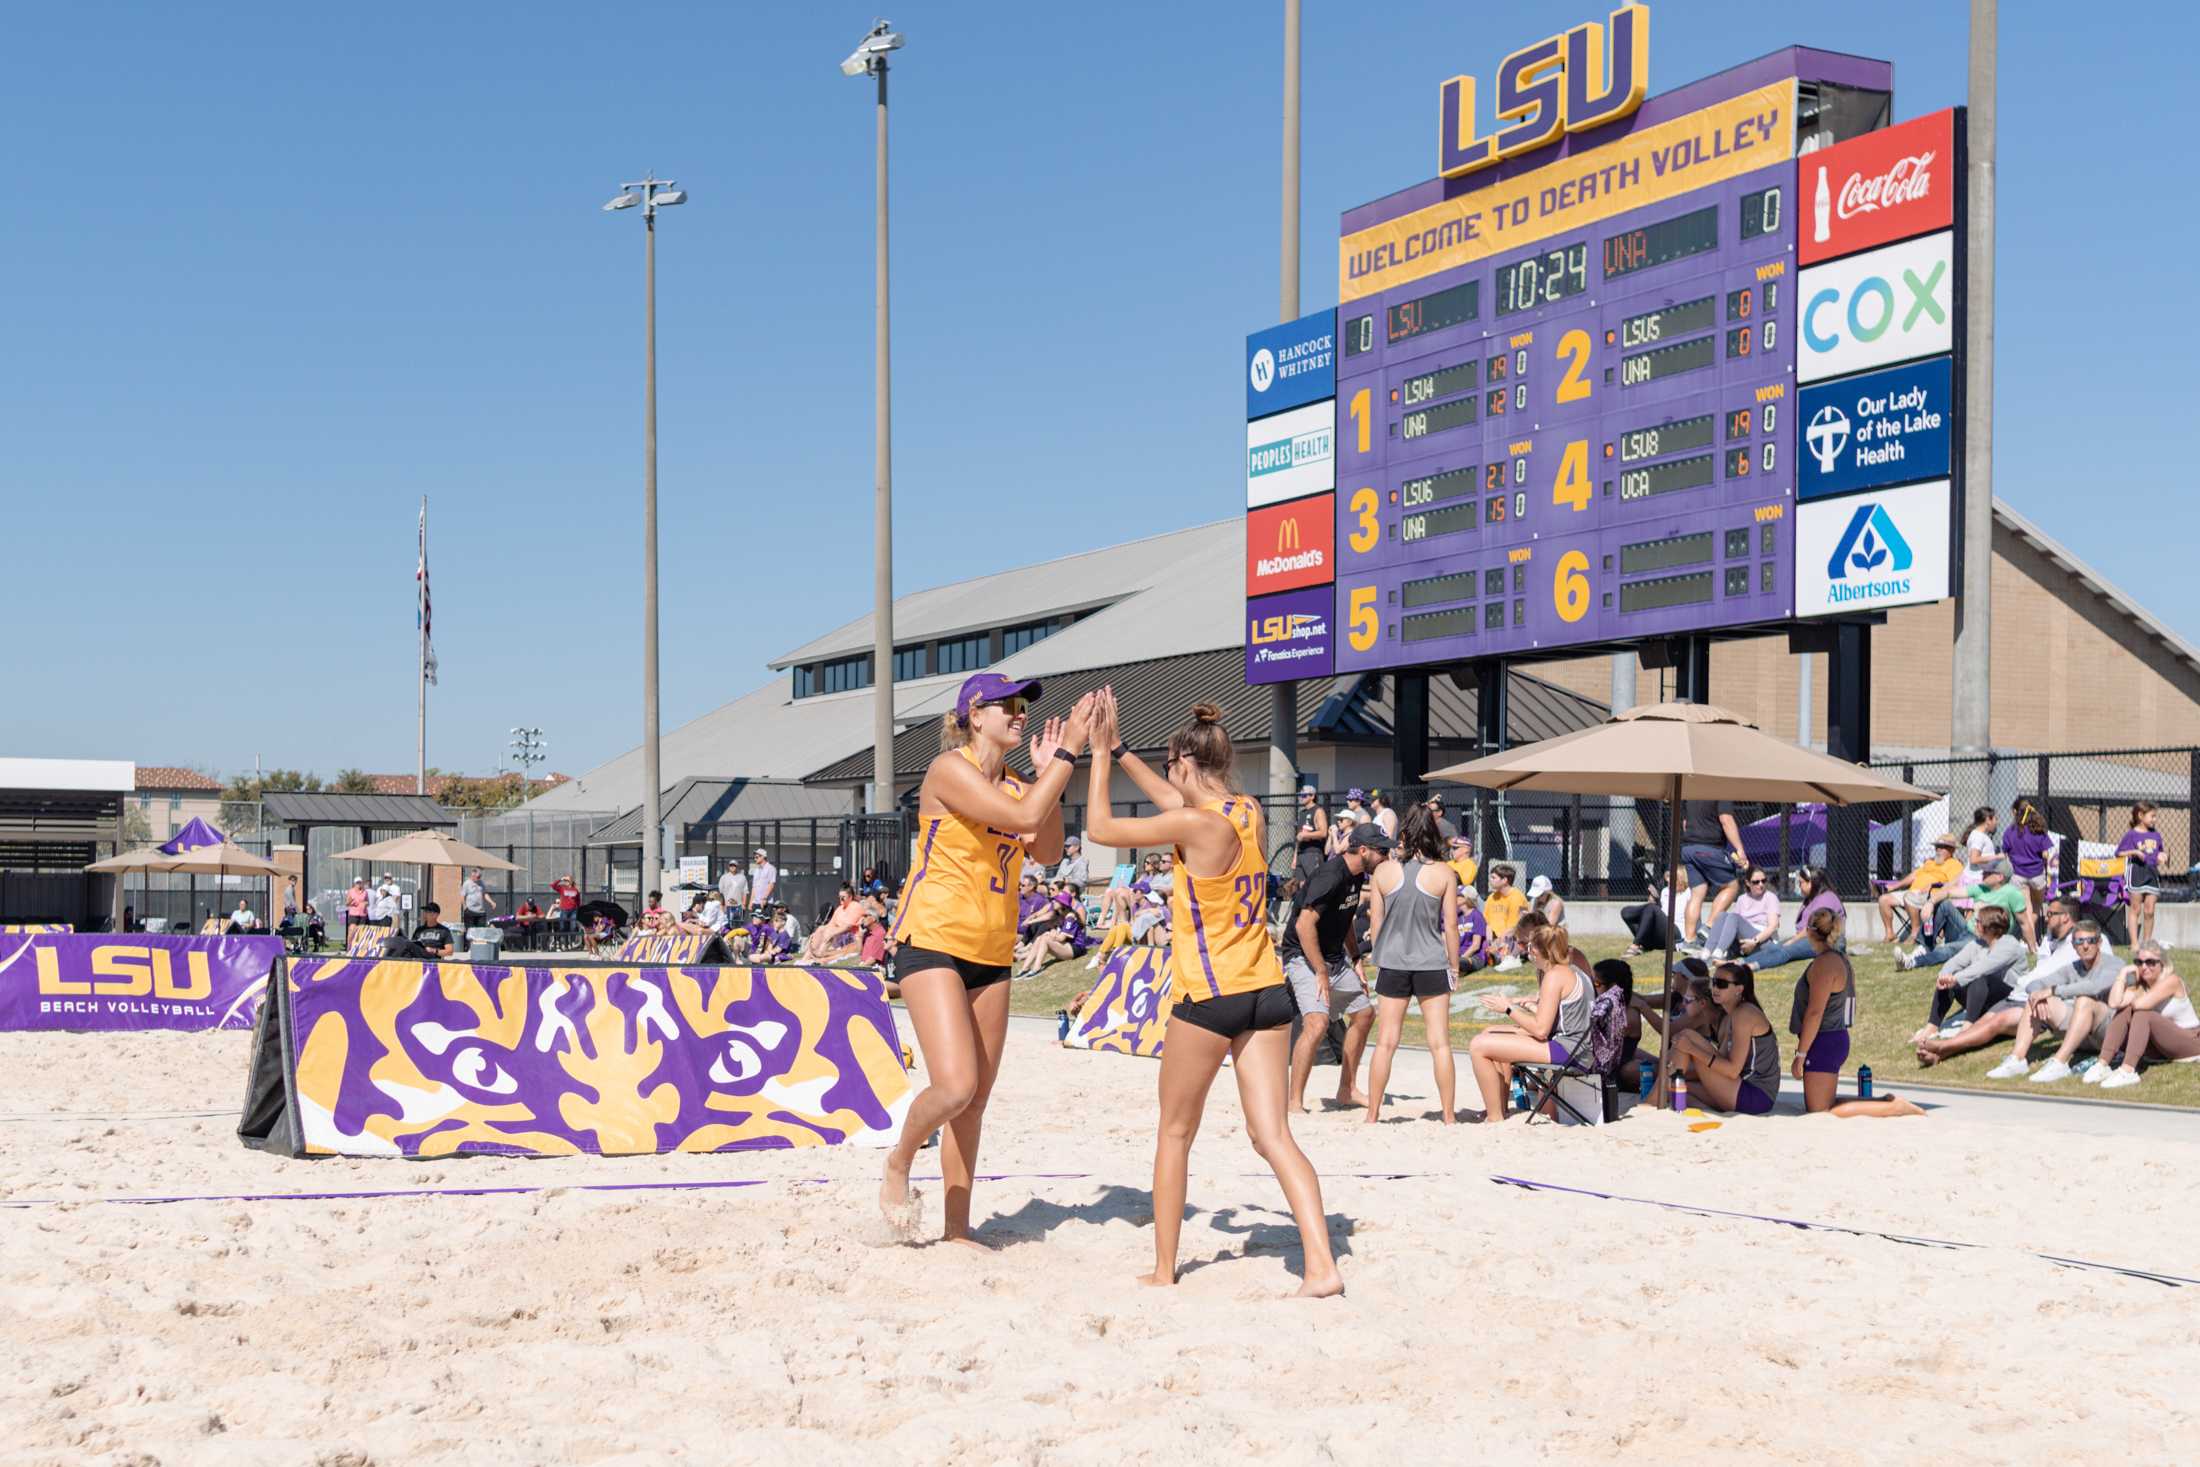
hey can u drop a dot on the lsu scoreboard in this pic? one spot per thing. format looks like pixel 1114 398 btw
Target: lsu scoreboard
pixel 1558 405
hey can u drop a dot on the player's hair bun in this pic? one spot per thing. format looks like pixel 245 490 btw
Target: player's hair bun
pixel 1206 713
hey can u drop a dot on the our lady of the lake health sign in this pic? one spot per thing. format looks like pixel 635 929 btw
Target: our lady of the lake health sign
pixel 1569 404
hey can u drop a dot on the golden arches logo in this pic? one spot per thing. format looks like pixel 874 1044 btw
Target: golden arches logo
pixel 1287 535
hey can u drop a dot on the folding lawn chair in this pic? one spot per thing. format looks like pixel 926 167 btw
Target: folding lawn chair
pixel 1597 1064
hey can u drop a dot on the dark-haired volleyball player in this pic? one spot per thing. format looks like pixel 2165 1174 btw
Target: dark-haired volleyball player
pixel 1229 990
pixel 955 933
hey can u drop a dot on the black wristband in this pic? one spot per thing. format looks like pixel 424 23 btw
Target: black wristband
pixel 1119 750
pixel 1064 755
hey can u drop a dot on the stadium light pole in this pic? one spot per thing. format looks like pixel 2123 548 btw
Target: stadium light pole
pixel 651 194
pixel 1972 728
pixel 869 59
pixel 1283 697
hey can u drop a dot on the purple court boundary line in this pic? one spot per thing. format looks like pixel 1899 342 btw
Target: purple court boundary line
pixel 2168 1280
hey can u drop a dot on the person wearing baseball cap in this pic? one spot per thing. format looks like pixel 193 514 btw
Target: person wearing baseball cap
pixel 954 936
pixel 1910 902
pixel 1319 951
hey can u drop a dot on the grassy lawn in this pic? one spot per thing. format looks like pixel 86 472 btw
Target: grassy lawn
pixel 1890 1007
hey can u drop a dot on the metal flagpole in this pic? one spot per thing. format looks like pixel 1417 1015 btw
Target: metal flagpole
pixel 420 591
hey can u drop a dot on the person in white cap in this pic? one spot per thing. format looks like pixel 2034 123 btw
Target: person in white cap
pixel 763 878
pixel 1545 902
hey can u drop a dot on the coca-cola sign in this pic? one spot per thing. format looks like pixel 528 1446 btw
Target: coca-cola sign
pixel 1872 190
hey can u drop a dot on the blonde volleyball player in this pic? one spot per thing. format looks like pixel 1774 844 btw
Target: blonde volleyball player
pixel 955 931
pixel 1229 989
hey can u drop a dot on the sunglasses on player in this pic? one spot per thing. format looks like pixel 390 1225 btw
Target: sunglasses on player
pixel 1013 707
pixel 1726 983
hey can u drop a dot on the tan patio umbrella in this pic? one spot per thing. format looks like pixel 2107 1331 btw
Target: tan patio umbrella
pixel 428 848
pixel 1674 752
pixel 225 859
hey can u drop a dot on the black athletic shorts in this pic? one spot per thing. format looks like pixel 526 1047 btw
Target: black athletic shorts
pixel 1241 1013
pixel 1411 982
pixel 908 960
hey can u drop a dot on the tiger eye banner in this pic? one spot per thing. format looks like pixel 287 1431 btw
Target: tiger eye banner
pixel 1128 1009
pixel 670 947
pixel 365 939
pixel 423 1059
pixel 83 980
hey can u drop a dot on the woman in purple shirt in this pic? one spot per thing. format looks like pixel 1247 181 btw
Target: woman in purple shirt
pixel 1819 896
pixel 2026 848
pixel 2142 848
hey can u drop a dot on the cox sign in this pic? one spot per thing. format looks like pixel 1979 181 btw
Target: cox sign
pixel 1886 305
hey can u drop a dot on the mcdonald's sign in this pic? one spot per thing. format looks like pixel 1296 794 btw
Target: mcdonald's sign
pixel 1288 546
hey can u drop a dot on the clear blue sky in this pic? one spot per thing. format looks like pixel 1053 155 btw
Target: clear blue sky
pixel 272 272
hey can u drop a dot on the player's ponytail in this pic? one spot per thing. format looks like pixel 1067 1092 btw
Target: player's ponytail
pixel 1206 743
pixel 954 733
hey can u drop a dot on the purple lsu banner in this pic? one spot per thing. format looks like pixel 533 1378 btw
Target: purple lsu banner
pixel 423 1059
pixel 666 947
pixel 1127 1011
pixel 79 980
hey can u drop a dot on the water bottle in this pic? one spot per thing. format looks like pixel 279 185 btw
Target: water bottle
pixel 1649 1078
pixel 1061 1031
pixel 1863 1082
pixel 1680 1091
pixel 1519 1095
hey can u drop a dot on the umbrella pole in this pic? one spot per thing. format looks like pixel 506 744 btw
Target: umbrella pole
pixel 1672 927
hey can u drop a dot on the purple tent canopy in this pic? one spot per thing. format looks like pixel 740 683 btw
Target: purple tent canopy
pixel 195 833
pixel 1806 828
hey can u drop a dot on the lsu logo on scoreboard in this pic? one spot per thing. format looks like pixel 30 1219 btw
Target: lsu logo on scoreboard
pixel 1267 630
pixel 1556 86
pixel 121 970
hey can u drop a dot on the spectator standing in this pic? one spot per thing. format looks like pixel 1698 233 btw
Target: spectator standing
pixel 1318 950
pixel 733 887
pixel 1753 922
pixel 2150 1016
pixel 1384 815
pixel 1445 830
pixel 1981 844
pixel 1355 805
pixel 356 901
pixel 763 878
pixel 2142 848
pixel 1312 836
pixel 1413 900
pixel 569 901
pixel 2026 849
pixel 1711 849
pixel 474 901
pixel 290 899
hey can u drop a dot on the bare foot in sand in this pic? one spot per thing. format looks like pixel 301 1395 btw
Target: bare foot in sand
pixel 1905 1107
pixel 895 1199
pixel 1321 1286
pixel 1351 1099
pixel 1155 1280
pixel 969 1242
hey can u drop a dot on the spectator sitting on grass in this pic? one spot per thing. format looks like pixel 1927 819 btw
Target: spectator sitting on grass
pixel 1949 932
pixel 2057 955
pixel 1067 938
pixel 1502 910
pixel 1818 896
pixel 1655 919
pixel 1474 931
pixel 2074 1003
pixel 1545 902
pixel 1975 978
pixel 1926 886
pixel 1751 923
pixel 2150 1017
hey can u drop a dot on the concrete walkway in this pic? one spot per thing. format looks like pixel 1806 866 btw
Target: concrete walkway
pixel 1411 1075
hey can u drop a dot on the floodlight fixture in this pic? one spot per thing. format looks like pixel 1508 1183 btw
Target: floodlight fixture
pixel 624 201
pixel 870 57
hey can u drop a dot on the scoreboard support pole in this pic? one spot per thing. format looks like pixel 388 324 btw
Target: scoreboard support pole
pixel 1409 745
pixel 1849 737
pixel 1489 717
pixel 1283 697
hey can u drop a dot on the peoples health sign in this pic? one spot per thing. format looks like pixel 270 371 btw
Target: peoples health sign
pixel 1291 365
pixel 1871 551
pixel 1887 427
pixel 1291 454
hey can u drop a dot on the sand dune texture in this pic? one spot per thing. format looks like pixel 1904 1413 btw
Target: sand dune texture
pixel 778 1323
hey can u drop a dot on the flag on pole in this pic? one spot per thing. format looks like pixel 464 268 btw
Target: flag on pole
pixel 424 618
